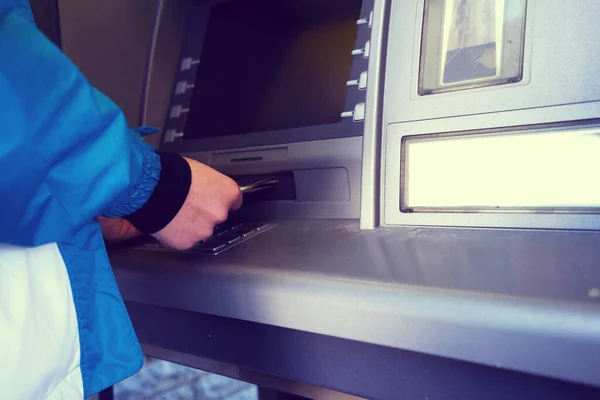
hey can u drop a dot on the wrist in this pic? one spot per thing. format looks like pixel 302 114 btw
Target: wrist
pixel 168 196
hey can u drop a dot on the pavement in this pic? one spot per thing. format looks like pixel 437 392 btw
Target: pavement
pixel 162 380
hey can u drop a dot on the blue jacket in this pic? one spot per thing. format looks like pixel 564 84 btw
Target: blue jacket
pixel 67 156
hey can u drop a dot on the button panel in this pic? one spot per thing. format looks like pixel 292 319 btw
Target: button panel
pixel 225 236
pixel 358 113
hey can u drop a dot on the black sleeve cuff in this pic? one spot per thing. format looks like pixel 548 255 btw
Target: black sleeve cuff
pixel 168 196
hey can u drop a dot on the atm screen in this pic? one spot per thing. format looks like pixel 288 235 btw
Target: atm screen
pixel 272 64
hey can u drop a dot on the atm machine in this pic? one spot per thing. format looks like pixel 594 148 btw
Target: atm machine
pixel 434 229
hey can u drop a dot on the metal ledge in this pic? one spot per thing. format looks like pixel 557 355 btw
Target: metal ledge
pixel 553 335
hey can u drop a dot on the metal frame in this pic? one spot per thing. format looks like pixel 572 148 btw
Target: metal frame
pixel 371 153
pixel 558 89
pixel 520 120
pixel 163 63
pixel 192 47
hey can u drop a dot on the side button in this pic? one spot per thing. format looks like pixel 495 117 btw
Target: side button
pixel 182 87
pixel 187 63
pixel 171 135
pixel 364 21
pixel 358 114
pixel 361 82
pixel 177 110
pixel 364 51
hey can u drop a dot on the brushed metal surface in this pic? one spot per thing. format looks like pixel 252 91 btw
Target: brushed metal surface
pixel 360 368
pixel 559 65
pixel 511 298
pixel 297 157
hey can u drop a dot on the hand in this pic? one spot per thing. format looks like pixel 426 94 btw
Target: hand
pixel 114 229
pixel 212 195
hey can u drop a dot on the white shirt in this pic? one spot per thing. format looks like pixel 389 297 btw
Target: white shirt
pixel 39 337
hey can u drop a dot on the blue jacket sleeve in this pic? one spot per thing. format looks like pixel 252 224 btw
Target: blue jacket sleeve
pixel 67 154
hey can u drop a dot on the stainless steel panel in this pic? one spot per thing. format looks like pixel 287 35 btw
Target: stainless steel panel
pixel 370 178
pixel 343 198
pixel 522 300
pixel 559 64
pixel 559 85
pixel 371 371
pixel 328 185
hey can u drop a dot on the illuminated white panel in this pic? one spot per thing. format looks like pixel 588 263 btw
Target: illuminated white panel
pixel 542 171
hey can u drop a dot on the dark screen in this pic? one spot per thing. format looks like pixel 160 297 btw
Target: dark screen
pixel 273 64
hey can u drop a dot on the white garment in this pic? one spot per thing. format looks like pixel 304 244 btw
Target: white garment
pixel 39 336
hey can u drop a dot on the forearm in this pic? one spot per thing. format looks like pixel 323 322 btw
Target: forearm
pixel 67 153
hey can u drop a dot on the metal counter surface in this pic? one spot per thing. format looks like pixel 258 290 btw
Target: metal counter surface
pixel 516 299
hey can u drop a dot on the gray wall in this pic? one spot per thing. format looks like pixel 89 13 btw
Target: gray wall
pixel 110 40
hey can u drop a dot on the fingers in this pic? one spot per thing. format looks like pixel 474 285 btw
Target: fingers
pixel 114 229
pixel 187 238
